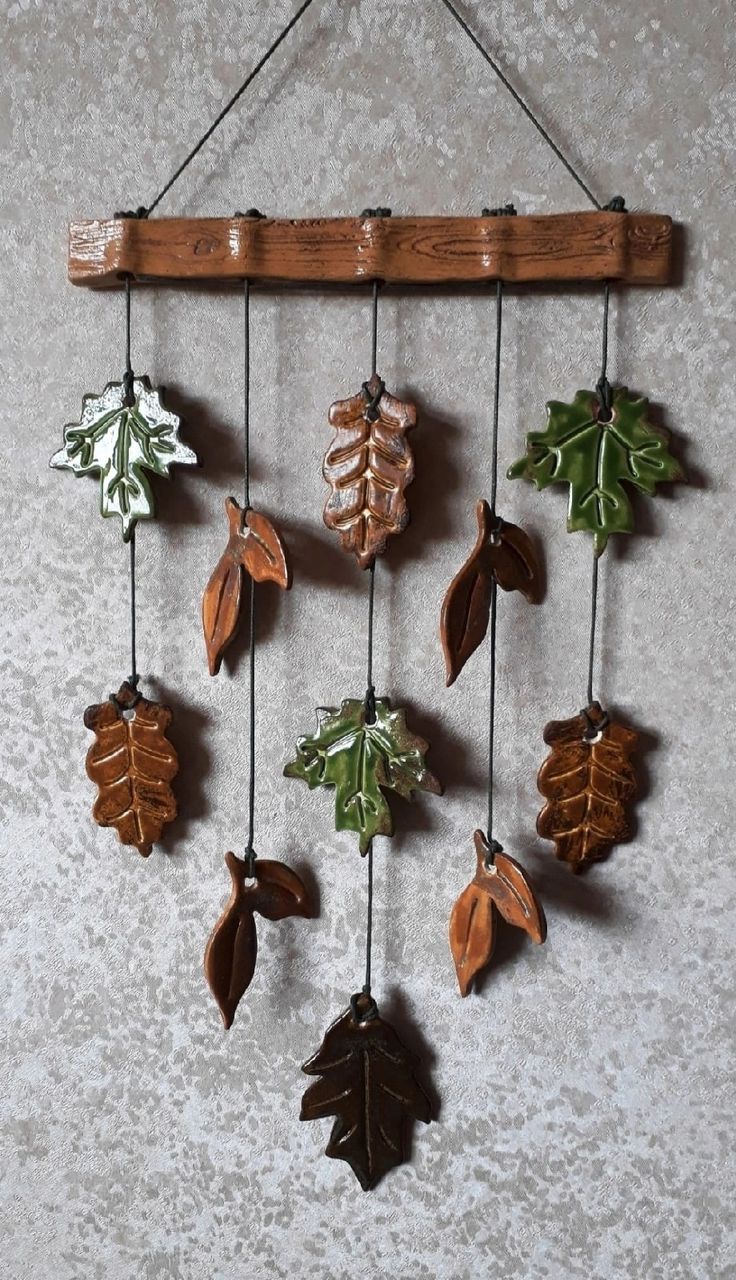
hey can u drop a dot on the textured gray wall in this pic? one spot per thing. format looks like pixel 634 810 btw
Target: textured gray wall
pixel 586 1094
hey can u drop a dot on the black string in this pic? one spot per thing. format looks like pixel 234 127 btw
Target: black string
pixel 603 386
pixel 246 393
pixel 374 330
pixel 370 693
pixel 129 399
pixel 128 376
pixel 229 106
pixel 369 924
pixel 593 617
pixel 497 523
pixel 520 102
pixel 605 397
pixel 496 398
pixel 249 850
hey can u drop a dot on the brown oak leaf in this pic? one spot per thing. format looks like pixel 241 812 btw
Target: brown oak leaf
pixel 586 779
pixel 368 466
pixel 132 762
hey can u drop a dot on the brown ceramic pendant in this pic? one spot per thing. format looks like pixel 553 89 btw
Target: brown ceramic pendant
pixel 132 762
pixel 368 466
pixel 368 1083
pixel 586 779
pixel 275 892
pixel 499 885
pixel 254 547
pixel 503 552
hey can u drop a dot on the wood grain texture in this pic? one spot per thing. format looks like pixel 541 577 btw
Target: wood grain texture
pixel 503 552
pixel 274 892
pixel 501 886
pixel 368 466
pixel 368 1082
pixel 133 763
pixel 587 785
pixel 633 248
pixel 255 547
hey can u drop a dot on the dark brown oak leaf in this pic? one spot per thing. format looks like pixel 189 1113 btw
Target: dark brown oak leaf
pixel 587 780
pixel 275 892
pixel 500 885
pixel 132 762
pixel 254 547
pixel 368 466
pixel 503 552
pixel 367 1082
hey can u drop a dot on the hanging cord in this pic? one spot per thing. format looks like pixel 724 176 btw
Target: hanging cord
pixel 593 619
pixel 250 856
pixel 493 846
pixel 604 391
pixel 520 102
pixel 371 413
pixel 370 718
pixel 246 394
pixel 129 399
pixel 228 107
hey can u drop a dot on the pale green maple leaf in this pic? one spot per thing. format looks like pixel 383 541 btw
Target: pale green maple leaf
pixel 122 442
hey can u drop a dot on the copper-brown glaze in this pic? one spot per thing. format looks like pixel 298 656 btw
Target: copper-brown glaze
pixel 275 892
pixel 503 552
pixel 132 762
pixel 587 785
pixel 634 248
pixel 499 885
pixel 367 1082
pixel 254 547
pixel 368 466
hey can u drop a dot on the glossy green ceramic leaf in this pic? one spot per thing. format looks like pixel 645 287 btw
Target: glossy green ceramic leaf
pixel 361 761
pixel 122 442
pixel 597 459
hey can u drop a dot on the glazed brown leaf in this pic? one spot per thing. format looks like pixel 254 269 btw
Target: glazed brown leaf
pixel 503 552
pixel 500 885
pixel 367 1082
pixel 368 466
pixel 275 892
pixel 254 547
pixel 586 785
pixel 132 762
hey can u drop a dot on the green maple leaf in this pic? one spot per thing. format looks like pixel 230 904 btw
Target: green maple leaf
pixel 596 459
pixel 361 761
pixel 121 442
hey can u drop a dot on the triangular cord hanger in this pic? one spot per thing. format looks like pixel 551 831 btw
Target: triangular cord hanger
pixel 608 244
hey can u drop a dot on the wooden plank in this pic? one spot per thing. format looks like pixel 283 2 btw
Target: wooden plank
pixel 633 248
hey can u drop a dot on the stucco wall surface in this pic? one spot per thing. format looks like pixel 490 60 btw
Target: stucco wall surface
pixel 586 1094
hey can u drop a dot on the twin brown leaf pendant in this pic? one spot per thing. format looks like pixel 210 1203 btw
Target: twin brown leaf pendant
pixel 275 892
pixel 132 762
pixel 503 552
pixel 254 547
pixel 586 779
pixel 368 466
pixel 500 887
pixel 367 1082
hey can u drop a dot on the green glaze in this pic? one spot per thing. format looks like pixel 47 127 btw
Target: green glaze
pixel 121 442
pixel 361 761
pixel 595 458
